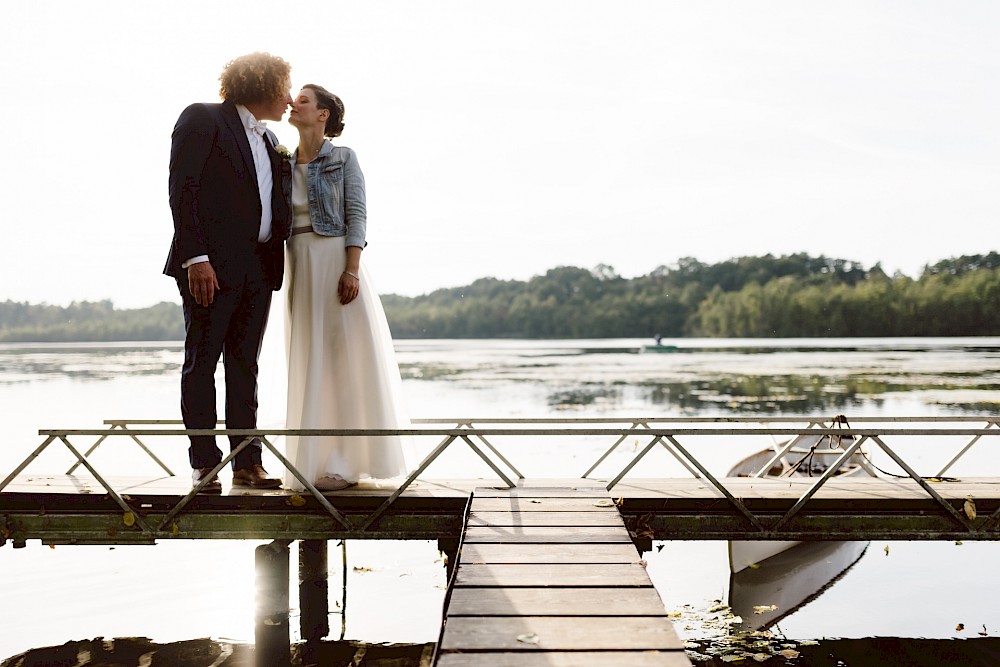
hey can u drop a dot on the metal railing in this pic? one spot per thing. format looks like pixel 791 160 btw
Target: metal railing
pixel 663 431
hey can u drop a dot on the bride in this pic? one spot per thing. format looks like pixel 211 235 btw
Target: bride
pixel 342 371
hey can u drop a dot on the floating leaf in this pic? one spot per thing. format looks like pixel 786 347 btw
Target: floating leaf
pixel 960 627
pixel 128 519
pixel 732 657
pixel 52 546
pixel 886 550
pixel 753 566
pixel 530 638
pixel 970 508
pixel 295 500
pixel 761 657
pixel 958 543
pixel 764 608
pixel 789 653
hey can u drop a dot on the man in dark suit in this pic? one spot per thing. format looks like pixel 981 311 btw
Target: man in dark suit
pixel 230 195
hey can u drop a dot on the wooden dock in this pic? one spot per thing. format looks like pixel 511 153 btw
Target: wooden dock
pixel 69 509
pixel 548 572
pixel 550 576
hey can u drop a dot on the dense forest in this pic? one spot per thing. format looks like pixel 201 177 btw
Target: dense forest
pixel 791 295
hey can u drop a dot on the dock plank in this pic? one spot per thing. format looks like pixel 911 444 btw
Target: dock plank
pixel 612 518
pixel 549 553
pixel 582 633
pixel 566 659
pixel 470 601
pixel 535 504
pixel 583 490
pixel 547 534
pixel 546 574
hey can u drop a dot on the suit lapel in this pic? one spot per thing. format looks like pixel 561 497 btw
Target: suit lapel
pixel 232 118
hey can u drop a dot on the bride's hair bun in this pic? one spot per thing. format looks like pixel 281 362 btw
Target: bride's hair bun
pixel 327 100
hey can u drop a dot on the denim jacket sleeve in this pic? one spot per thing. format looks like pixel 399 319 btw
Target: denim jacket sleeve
pixel 355 208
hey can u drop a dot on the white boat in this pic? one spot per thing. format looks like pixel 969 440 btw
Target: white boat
pixel 809 456
pixel 764 595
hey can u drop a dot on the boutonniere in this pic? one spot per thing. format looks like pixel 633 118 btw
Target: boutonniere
pixel 283 151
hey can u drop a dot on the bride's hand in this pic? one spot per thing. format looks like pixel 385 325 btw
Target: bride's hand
pixel 348 288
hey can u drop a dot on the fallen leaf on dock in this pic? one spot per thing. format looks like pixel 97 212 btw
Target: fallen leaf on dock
pixel 764 608
pixel 970 508
pixel 361 568
pixel 536 501
pixel 530 638
pixel 607 502
pixel 958 543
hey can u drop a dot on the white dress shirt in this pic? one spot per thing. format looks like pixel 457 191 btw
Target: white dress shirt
pixel 265 181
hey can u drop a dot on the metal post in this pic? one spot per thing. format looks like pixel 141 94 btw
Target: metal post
pixel 449 547
pixel 314 602
pixel 273 642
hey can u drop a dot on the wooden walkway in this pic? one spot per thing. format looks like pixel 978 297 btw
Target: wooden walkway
pixel 66 509
pixel 549 576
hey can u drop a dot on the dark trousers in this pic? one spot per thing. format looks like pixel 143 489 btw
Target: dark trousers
pixel 231 327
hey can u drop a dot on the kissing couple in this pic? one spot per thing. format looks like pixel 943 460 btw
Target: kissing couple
pixel 248 215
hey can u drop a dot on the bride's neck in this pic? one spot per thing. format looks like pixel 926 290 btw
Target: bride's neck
pixel 310 144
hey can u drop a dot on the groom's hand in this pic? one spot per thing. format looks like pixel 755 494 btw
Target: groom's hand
pixel 202 283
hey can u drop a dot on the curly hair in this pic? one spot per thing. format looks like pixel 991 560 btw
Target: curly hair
pixel 327 100
pixel 253 78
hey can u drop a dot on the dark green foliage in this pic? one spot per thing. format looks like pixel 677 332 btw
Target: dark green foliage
pixel 788 296
pixel 89 321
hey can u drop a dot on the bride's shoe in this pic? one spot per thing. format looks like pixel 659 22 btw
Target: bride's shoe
pixel 332 483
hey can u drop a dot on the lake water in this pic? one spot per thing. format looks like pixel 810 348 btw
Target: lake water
pixel 181 590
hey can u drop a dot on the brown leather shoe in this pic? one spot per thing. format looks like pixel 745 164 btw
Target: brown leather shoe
pixel 213 487
pixel 256 477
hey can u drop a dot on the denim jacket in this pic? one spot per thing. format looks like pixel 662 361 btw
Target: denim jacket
pixel 336 189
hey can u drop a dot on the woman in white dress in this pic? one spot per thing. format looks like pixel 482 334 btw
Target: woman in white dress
pixel 342 371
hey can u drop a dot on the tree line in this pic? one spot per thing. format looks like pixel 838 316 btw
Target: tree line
pixel 788 296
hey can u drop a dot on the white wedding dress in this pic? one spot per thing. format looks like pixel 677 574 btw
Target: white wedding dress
pixel 342 370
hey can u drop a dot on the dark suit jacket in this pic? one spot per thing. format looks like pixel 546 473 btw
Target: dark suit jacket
pixel 214 197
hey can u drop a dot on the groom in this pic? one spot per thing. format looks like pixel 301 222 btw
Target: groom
pixel 230 198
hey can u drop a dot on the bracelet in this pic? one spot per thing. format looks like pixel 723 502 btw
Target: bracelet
pixel 353 275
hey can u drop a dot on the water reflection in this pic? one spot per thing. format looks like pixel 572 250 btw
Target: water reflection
pixel 727 376
pixel 95 361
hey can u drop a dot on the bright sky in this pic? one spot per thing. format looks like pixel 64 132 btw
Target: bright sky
pixel 506 138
